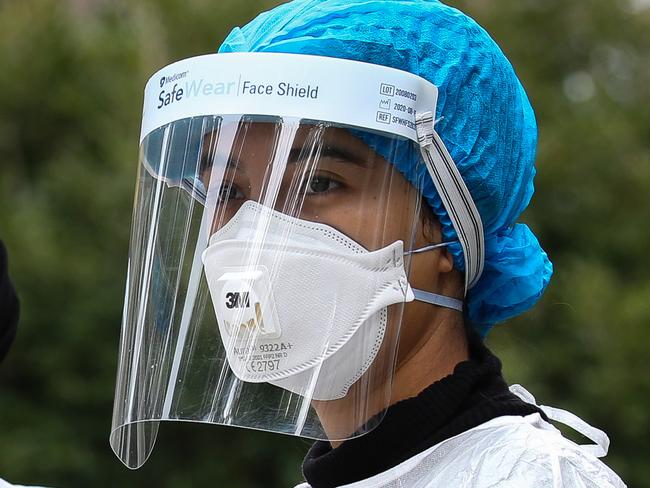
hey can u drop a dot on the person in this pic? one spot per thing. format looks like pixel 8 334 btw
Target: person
pixel 9 314
pixel 325 230
pixel 9 306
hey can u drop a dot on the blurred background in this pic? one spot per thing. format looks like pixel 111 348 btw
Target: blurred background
pixel 72 75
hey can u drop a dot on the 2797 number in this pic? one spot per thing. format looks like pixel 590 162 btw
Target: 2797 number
pixel 263 366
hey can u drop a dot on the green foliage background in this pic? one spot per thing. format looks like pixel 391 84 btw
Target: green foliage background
pixel 71 80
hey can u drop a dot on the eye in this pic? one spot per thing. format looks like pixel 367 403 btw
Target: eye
pixel 230 192
pixel 321 184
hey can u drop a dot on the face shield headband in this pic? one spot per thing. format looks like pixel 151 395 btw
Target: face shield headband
pixel 240 154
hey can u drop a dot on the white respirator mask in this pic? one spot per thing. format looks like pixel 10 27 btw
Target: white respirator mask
pixel 275 316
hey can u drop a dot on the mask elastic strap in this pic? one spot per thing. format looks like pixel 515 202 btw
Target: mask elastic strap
pixel 439 300
pixel 434 298
pixel 428 248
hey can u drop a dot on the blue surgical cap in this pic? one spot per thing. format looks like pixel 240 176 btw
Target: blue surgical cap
pixel 484 119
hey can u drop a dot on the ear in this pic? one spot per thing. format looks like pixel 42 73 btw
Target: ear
pixel 432 233
pixel 446 261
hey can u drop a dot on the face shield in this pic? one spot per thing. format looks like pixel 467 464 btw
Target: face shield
pixel 270 247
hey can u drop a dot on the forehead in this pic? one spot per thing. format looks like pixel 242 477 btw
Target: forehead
pixel 262 140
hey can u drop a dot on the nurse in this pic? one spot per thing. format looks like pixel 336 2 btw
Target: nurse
pixel 328 266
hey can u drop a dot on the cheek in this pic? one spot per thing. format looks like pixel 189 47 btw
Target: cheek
pixel 379 208
pixel 383 221
pixel 357 220
pixel 401 214
pixel 370 222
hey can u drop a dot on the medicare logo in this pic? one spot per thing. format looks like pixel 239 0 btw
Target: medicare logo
pixel 192 89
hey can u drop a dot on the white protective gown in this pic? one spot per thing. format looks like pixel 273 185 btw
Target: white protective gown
pixel 4 484
pixel 507 452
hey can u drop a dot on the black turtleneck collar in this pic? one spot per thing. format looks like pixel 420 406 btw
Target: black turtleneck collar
pixel 472 395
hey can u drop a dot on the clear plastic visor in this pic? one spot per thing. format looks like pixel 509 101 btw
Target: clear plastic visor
pixel 266 279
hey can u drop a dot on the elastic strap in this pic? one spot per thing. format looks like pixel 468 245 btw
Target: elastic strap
pixel 455 197
pixel 435 299
pixel 428 248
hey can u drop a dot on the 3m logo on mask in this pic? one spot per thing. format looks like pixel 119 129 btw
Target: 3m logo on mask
pixel 246 307
pixel 238 300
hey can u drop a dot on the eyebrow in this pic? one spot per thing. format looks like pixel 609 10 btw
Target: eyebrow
pixel 331 151
pixel 327 151
pixel 207 162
